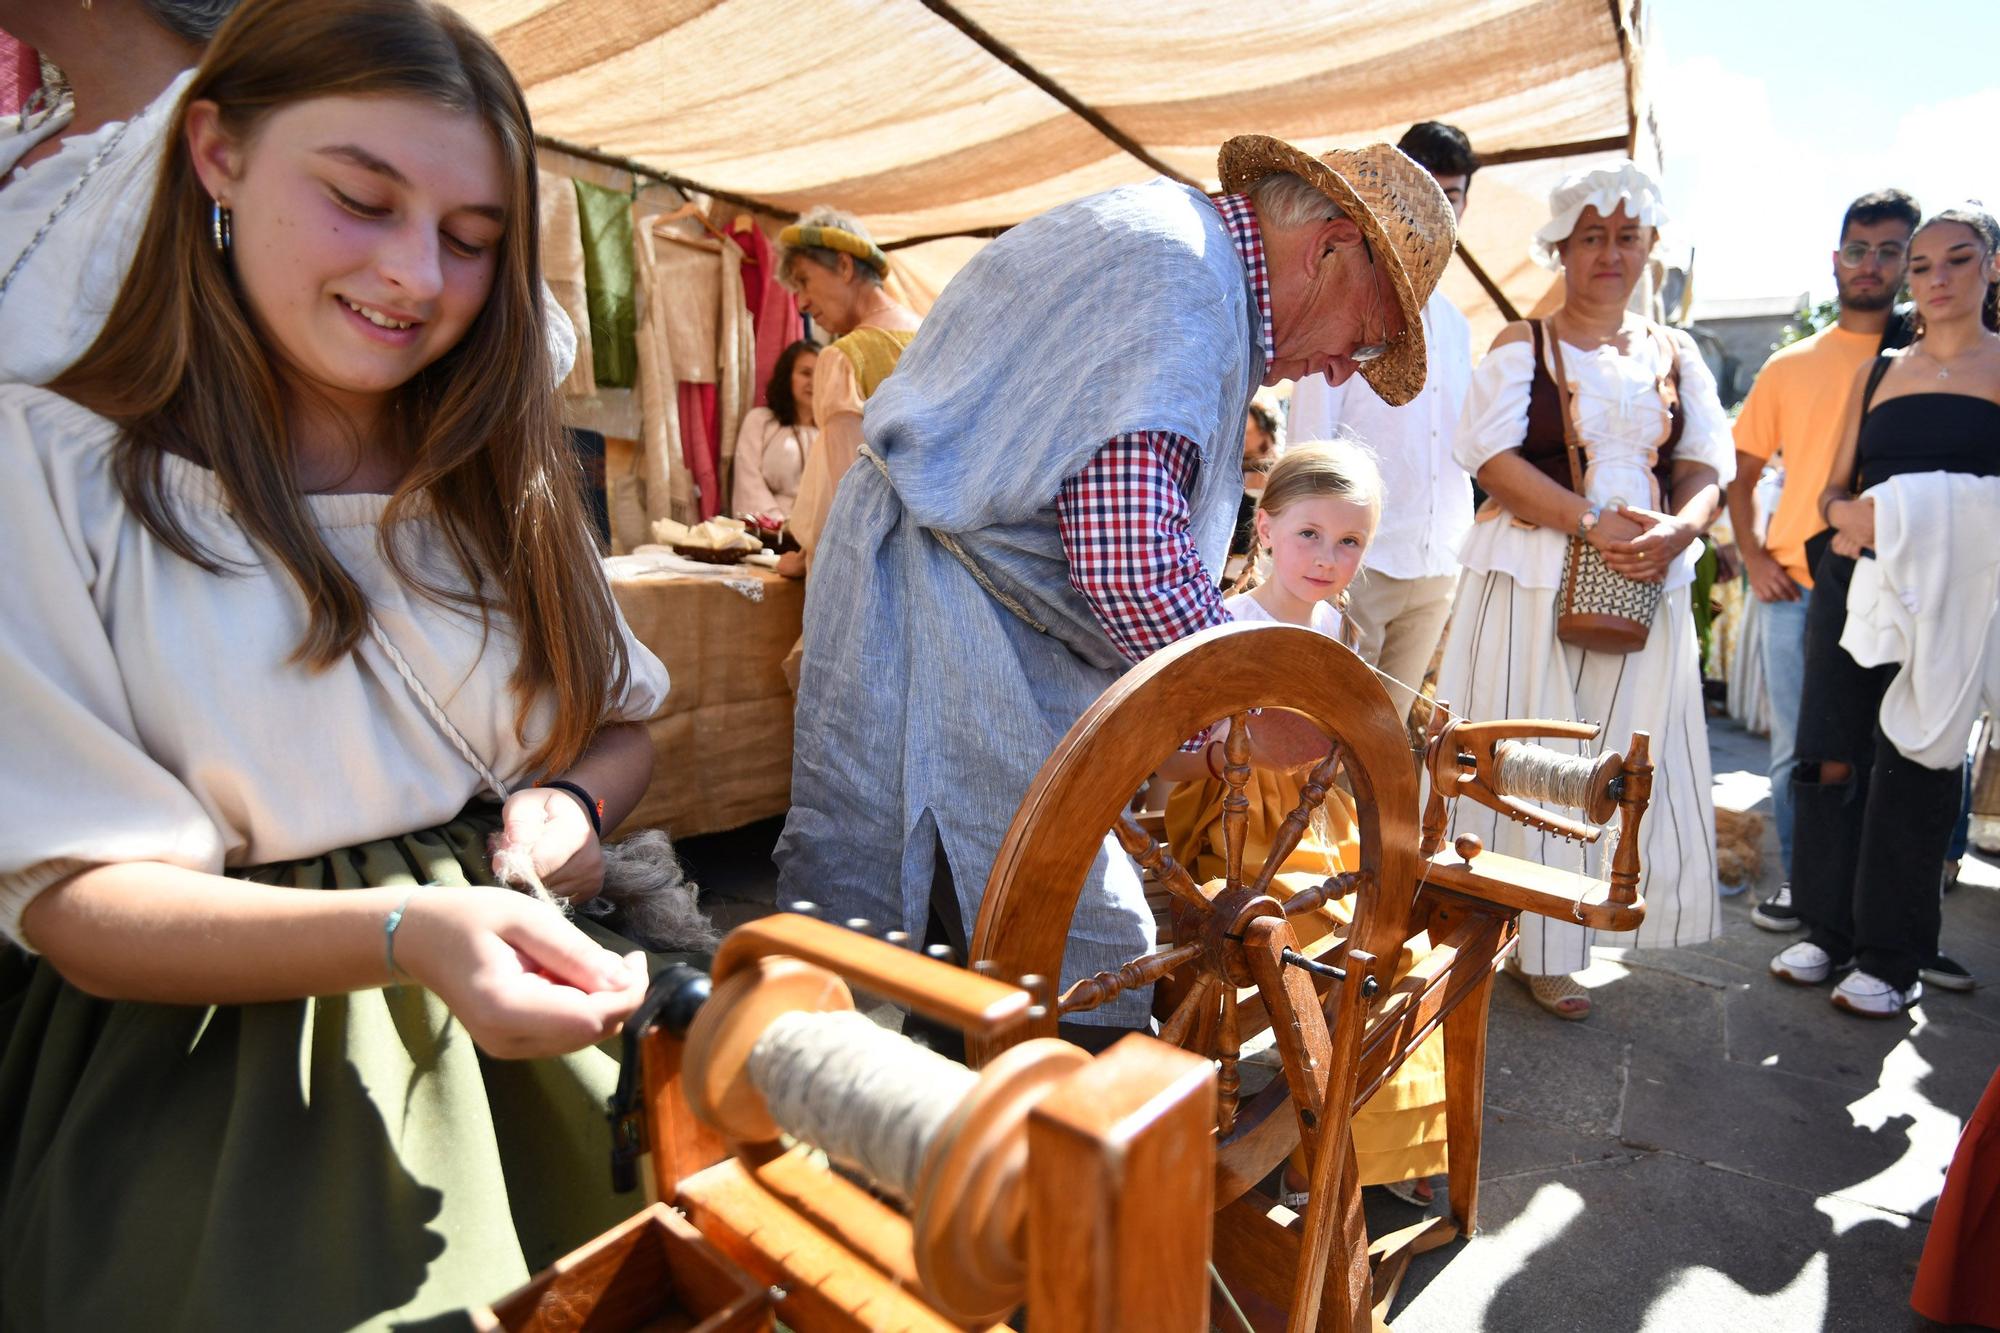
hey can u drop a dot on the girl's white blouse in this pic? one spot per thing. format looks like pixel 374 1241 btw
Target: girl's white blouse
pixel 151 709
pixel 1621 421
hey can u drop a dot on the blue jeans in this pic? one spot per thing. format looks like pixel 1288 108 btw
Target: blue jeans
pixel 1784 680
pixel 1961 835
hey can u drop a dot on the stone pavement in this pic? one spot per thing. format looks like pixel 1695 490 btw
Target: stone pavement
pixel 1712 1150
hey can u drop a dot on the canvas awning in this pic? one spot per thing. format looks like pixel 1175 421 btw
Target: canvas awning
pixel 939 118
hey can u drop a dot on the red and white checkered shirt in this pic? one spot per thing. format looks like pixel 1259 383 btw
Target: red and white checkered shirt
pixel 1124 517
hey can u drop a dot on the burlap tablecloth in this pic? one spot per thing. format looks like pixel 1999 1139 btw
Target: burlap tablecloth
pixel 722 744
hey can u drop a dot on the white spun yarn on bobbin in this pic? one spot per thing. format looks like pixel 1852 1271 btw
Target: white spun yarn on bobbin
pixel 865 1096
pixel 1541 774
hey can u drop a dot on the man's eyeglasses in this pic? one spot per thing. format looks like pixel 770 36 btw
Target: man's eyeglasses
pixel 1855 253
pixel 1373 351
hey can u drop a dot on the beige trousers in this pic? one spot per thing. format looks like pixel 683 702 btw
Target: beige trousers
pixel 1400 622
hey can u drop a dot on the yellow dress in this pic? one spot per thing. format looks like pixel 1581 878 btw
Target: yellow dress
pixel 1400 1133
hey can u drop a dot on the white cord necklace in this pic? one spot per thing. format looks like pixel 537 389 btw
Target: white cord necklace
pixel 69 196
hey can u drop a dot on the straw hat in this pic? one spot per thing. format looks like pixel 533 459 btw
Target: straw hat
pixel 1399 208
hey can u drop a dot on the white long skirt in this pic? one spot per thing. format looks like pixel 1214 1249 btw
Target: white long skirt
pixel 1503 660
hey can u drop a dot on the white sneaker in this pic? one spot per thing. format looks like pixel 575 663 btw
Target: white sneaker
pixel 1803 964
pixel 1871 997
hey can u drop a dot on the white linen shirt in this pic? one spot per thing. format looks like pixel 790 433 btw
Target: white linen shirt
pixel 1929 599
pixel 1427 498
pixel 55 307
pixel 150 709
pixel 1621 421
pixel 57 303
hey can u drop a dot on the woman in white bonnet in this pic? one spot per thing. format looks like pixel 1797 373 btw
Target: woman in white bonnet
pixel 1656 450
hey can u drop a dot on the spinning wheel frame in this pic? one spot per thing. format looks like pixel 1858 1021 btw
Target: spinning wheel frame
pixel 1082 791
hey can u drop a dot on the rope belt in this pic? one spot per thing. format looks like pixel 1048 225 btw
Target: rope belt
pixel 950 543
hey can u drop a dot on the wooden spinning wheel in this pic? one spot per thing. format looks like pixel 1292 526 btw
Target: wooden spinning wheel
pixel 1083 790
pixel 1229 965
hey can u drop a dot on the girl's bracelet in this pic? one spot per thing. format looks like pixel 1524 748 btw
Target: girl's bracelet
pixel 591 805
pixel 389 926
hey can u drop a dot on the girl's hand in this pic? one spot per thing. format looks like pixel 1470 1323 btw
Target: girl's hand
pixel 549 825
pixel 1648 556
pixel 525 983
pixel 1851 547
pixel 1853 519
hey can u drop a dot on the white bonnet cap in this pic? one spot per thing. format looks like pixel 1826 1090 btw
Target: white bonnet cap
pixel 1603 189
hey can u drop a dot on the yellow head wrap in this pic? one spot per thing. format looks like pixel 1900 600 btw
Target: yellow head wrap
pixel 836 238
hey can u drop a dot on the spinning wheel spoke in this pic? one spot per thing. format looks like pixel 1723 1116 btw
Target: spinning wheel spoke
pixel 1102 988
pixel 1181 1024
pixel 1327 890
pixel 1229 1081
pixel 1139 845
pixel 1236 803
pixel 1294 828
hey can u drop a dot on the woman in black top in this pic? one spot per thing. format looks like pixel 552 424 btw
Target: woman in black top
pixel 1871 824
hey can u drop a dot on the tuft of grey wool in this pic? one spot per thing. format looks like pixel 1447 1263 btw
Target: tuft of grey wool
pixel 647 896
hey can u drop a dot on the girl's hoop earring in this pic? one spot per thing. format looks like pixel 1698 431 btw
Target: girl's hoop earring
pixel 220 228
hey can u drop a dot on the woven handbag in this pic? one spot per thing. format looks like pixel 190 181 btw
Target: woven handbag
pixel 1597 608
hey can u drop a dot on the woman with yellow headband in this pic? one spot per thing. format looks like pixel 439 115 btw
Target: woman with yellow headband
pixel 829 262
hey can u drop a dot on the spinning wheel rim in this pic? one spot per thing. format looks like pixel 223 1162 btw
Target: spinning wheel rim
pixel 1037 879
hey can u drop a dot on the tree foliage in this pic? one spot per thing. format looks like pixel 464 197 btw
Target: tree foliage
pixel 1810 319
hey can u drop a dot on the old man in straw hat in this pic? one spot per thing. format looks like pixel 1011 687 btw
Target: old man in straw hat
pixel 1045 497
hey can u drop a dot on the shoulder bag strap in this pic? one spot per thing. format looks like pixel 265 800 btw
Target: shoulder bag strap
pixel 1875 374
pixel 1874 382
pixel 1556 373
pixel 1670 378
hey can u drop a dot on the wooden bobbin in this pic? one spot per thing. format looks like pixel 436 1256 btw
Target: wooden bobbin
pixel 1603 800
pixel 716 1062
pixel 971 1204
pixel 1463 762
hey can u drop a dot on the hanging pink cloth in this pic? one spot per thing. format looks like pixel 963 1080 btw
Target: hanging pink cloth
pixel 701 445
pixel 20 74
pixel 773 313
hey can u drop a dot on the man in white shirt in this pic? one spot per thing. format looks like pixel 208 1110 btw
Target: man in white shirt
pixel 1402 598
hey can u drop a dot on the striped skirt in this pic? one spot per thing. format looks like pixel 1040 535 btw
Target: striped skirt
pixel 1503 659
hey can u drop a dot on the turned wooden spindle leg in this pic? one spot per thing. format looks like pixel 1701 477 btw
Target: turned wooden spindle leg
pixel 1236 801
pixel 1637 780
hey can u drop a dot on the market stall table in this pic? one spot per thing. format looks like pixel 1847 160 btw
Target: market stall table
pixel 722 742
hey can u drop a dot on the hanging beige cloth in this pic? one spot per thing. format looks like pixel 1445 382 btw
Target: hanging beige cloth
pixel 694 328
pixel 562 270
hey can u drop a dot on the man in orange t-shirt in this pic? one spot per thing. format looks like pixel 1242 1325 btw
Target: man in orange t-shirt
pixel 1793 413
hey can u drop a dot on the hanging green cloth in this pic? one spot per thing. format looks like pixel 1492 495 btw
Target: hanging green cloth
pixel 609 282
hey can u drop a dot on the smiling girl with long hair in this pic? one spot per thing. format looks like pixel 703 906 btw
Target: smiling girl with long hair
pixel 302 612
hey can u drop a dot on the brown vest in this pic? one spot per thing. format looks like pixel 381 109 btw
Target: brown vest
pixel 1545 446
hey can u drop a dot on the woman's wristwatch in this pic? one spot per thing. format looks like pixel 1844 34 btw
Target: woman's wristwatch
pixel 1588 520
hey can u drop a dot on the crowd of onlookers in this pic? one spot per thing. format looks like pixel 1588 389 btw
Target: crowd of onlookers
pixel 1434 565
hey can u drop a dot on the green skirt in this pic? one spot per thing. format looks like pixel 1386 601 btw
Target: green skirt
pixel 351 1162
